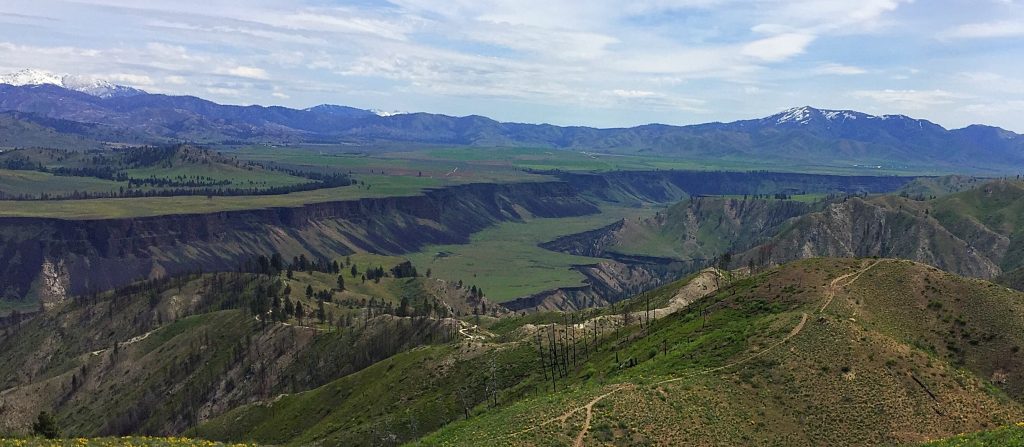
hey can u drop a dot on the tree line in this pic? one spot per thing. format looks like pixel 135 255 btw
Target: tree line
pixel 113 167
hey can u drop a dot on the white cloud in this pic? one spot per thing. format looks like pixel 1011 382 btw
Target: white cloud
pixel 649 100
pixel 224 91
pixel 240 34
pixel 840 16
pixel 633 93
pixel 839 69
pixel 995 108
pixel 242 71
pixel 993 82
pixel 910 99
pixel 341 20
pixel 132 79
pixel 1002 28
pixel 778 48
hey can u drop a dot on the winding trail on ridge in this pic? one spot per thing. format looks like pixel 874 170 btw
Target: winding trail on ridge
pixel 834 286
pixel 830 294
pixel 590 414
pixel 465 328
pixel 127 342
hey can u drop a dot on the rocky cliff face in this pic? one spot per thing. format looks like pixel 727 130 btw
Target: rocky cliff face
pixel 606 282
pixel 102 254
pixel 887 227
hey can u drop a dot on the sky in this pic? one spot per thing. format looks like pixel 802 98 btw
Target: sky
pixel 602 63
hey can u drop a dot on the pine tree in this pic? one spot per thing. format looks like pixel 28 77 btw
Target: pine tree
pixel 341 282
pixel 309 291
pixel 289 307
pixel 275 305
pixel 300 313
pixel 45 426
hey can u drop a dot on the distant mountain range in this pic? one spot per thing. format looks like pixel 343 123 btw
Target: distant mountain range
pixel 91 86
pixel 804 135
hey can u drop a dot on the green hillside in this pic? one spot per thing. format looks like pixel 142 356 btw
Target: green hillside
pixel 817 352
pixel 1004 436
pixel 706 227
pixel 159 357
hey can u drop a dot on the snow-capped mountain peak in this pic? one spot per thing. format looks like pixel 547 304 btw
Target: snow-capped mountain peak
pixel 806 114
pixel 386 113
pixel 84 84
pixel 31 77
pixel 801 115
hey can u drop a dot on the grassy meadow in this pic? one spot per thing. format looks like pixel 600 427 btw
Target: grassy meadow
pixel 509 162
pixel 17 183
pixel 374 186
pixel 506 261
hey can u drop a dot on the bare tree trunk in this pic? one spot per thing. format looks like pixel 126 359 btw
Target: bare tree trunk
pixel 540 350
pixel 572 327
pixel 553 350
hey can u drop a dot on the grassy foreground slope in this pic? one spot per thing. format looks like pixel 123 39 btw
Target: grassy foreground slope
pixel 816 352
pixel 819 352
pixel 126 441
pixel 1004 436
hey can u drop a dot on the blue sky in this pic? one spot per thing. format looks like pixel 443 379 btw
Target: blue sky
pixel 599 63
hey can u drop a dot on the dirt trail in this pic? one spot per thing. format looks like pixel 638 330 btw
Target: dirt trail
pixel 679 302
pixel 589 407
pixel 834 286
pixel 792 333
pixel 130 341
pixel 465 328
pixel 590 414
pixel 705 282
